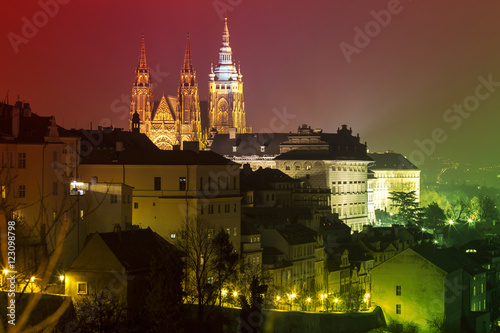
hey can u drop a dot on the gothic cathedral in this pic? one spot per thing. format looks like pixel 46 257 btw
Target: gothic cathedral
pixel 226 107
pixel 173 120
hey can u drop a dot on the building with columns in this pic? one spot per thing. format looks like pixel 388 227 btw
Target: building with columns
pixel 337 162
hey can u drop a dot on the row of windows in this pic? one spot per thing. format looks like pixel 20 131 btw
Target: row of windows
pixel 303 250
pixel 210 208
pixel 8 160
pixel 211 184
pixel 355 187
pixel 355 168
pixel 351 209
pixel 125 199
pixel 182 183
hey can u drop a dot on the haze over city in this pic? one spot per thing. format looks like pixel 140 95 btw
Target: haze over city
pixel 78 64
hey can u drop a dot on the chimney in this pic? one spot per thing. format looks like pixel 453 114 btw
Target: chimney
pixel 16 114
pixel 232 133
pixel 27 110
pixel 191 146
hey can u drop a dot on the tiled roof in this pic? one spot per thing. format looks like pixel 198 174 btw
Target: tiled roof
pixel 262 179
pixel 249 144
pixel 391 161
pixel 160 157
pixel 441 259
pixel 298 234
pixel 134 248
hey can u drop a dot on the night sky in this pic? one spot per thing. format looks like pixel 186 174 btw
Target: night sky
pixel 392 90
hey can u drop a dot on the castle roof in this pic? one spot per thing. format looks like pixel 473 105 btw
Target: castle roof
pixel 391 161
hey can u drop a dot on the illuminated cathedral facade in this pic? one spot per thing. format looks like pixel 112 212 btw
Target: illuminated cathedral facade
pixel 176 119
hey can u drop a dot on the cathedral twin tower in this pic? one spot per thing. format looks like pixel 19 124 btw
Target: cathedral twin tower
pixel 174 120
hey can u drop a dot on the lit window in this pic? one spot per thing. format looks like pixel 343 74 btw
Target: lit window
pixel 182 183
pixel 262 149
pixel 308 167
pixel 82 288
pixel 172 236
pixel 4 194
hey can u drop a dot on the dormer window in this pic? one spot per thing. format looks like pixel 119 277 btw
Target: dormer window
pixel 262 149
pixel 235 148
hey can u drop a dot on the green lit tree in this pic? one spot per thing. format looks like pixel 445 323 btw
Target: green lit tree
pixel 407 204
pixel 434 215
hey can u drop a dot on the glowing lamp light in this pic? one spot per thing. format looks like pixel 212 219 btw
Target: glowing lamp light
pixel 32 279
pixel 61 277
pixel 336 300
pixel 451 222
pixel 224 292
pixel 423 229
pixel 235 294
pixel 6 271
pixel 309 300
pixel 294 295
pixel 435 241
pixel 469 220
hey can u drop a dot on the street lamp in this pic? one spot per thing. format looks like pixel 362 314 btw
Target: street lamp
pixel 451 222
pixel 278 299
pixel 336 300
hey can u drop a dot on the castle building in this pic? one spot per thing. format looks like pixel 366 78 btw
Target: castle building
pixel 226 106
pixel 390 172
pixel 172 120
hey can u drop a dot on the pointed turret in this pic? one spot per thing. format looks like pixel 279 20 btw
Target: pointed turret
pixel 188 106
pixel 142 90
pixel 226 107
pixel 188 64
pixel 143 64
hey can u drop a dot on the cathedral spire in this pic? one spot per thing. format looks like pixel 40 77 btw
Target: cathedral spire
pixel 142 56
pixel 188 64
pixel 225 35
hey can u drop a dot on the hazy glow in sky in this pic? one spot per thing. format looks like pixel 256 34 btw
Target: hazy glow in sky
pixel 388 69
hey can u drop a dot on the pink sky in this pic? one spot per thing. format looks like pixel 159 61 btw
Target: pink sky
pixel 393 91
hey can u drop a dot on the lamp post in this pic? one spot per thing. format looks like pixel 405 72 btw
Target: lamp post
pixel 336 300
pixel 278 299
